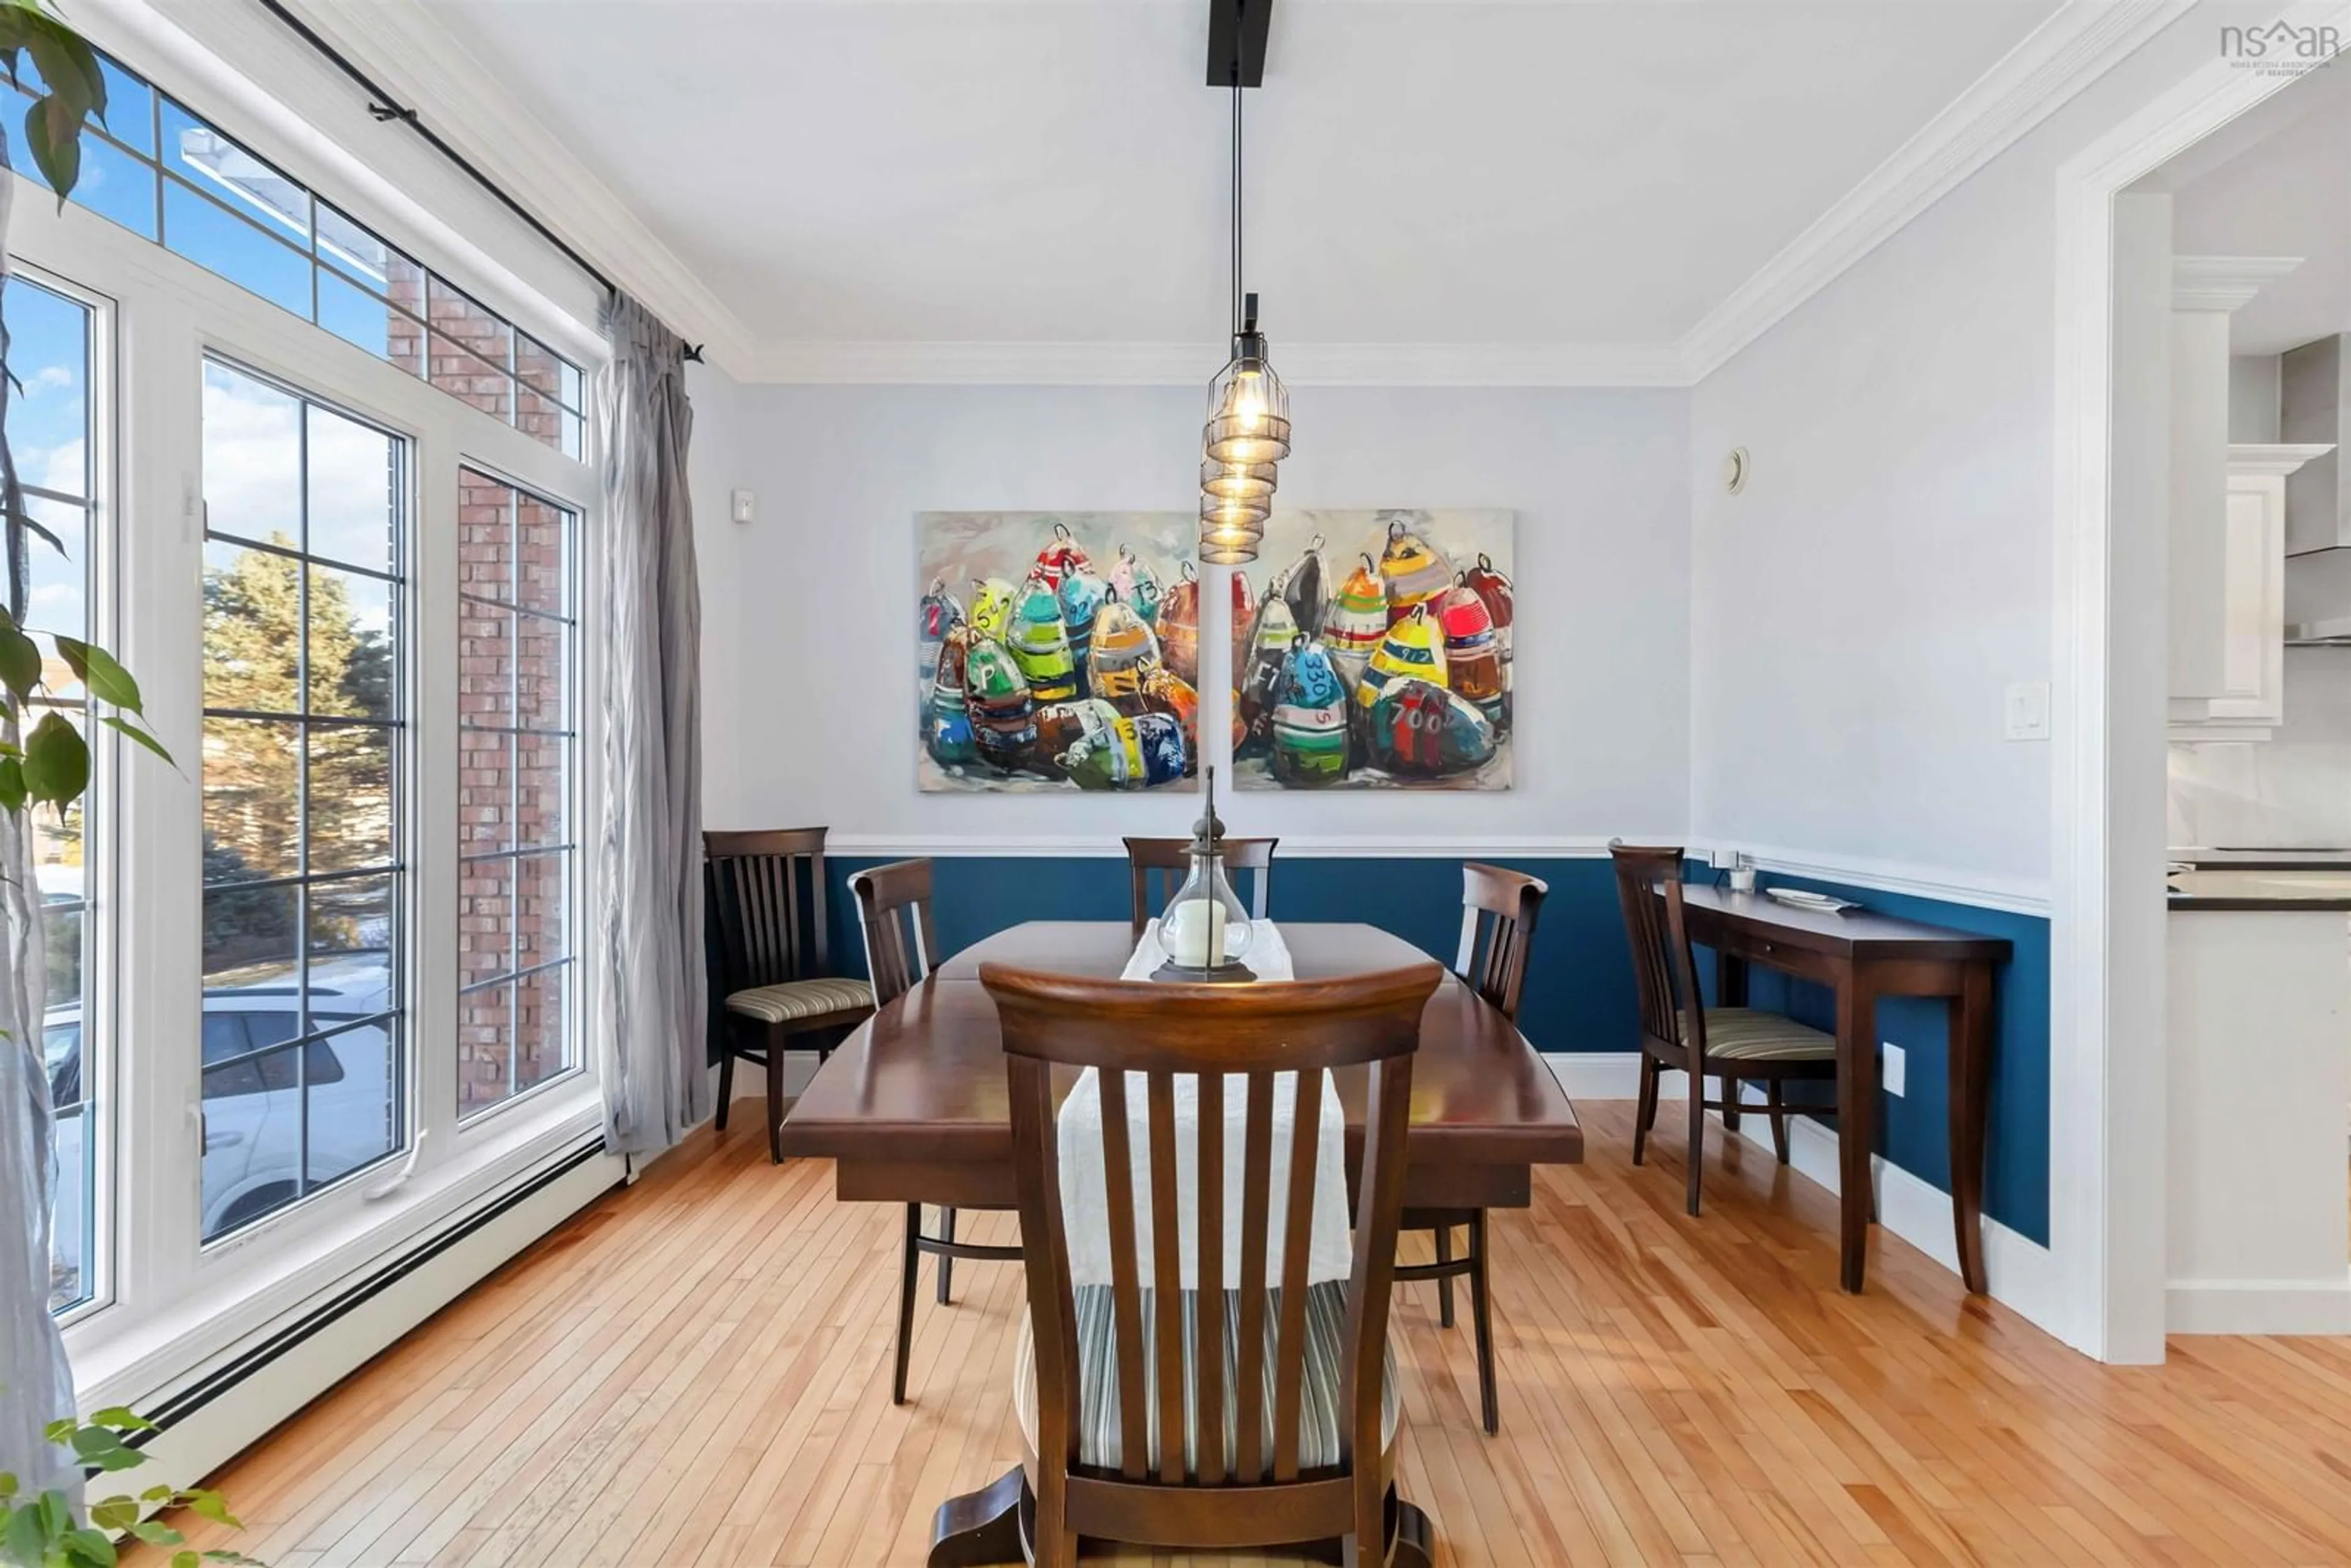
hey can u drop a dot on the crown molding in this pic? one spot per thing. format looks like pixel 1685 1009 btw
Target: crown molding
pixel 408 44
pixel 408 47
pixel 1192 364
pixel 2224 283
pixel 2076 46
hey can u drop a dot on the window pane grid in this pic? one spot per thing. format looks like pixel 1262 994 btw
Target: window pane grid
pixel 515 661
pixel 305 735
pixel 204 195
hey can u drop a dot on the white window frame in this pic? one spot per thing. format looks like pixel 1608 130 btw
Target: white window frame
pixel 101 981
pixel 173 1303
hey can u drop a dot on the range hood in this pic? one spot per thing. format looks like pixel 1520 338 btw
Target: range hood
pixel 2314 406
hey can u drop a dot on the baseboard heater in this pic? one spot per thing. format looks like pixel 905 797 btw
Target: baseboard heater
pixel 179 1406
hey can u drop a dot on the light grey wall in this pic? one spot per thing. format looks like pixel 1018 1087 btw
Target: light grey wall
pixel 713 468
pixel 1859 611
pixel 824 591
pixel 2253 398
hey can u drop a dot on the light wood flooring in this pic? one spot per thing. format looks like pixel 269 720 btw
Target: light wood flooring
pixel 695 1371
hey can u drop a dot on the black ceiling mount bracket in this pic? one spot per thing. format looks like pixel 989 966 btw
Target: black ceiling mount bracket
pixel 1237 34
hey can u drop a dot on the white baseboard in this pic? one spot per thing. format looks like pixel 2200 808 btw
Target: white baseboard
pixel 2258 1306
pixel 750 1084
pixel 2022 1273
pixel 1596 1074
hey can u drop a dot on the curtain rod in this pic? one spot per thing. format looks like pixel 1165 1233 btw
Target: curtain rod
pixel 387 109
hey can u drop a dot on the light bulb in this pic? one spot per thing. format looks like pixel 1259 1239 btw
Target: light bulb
pixel 1248 400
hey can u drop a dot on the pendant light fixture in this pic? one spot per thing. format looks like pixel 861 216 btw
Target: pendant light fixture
pixel 1247 430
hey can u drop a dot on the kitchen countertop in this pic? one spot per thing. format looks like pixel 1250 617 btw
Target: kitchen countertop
pixel 2237 886
pixel 2263 860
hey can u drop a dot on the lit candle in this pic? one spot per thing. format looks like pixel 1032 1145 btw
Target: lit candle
pixel 1193 936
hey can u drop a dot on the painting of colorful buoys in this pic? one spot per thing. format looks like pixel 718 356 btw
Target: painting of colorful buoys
pixel 1378 653
pixel 1057 650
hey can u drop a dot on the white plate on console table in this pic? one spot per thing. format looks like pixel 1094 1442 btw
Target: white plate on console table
pixel 1806 898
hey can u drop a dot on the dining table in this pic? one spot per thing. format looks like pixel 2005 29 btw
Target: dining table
pixel 915 1107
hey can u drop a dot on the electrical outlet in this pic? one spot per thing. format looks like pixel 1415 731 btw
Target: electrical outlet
pixel 1890 1066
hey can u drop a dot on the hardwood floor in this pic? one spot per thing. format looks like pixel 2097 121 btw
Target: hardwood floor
pixel 696 1372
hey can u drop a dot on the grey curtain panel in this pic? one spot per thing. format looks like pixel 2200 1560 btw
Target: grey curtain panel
pixel 654 996
pixel 35 1383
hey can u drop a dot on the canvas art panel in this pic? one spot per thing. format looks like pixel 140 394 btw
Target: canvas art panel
pixel 1057 650
pixel 1371 650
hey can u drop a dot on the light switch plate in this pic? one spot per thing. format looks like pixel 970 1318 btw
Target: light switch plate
pixel 741 506
pixel 1891 1068
pixel 2027 710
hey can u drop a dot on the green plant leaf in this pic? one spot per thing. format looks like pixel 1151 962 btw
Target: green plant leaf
pixel 187 1560
pixel 20 672
pixel 7 1486
pixel 211 1505
pixel 53 136
pixel 27 1538
pixel 62 1430
pixel 158 1494
pixel 117 1513
pixel 57 762
pixel 91 1441
pixel 117 723
pixel 156 1534
pixel 108 681
pixel 33 525
pixel 12 785
pixel 122 1418
pixel 89 1548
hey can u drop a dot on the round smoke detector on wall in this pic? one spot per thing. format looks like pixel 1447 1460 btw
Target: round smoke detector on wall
pixel 1734 471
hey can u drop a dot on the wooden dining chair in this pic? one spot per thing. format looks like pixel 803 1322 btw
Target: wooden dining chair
pixel 1498 927
pixel 893 911
pixel 764 894
pixel 1166 861
pixel 1291 1434
pixel 1737 1045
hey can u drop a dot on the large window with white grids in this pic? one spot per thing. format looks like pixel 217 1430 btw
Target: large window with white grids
pixel 315 990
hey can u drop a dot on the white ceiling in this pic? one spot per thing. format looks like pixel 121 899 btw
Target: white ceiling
pixel 2275 183
pixel 1420 172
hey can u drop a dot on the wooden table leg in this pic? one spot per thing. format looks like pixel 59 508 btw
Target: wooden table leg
pixel 1729 979
pixel 1971 1088
pixel 980 1527
pixel 1730 991
pixel 1856 1123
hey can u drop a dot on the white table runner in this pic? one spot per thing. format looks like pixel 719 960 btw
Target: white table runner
pixel 1086 1191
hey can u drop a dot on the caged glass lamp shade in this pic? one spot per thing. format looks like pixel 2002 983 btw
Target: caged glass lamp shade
pixel 1230 531
pixel 1249 408
pixel 1206 931
pixel 1237 481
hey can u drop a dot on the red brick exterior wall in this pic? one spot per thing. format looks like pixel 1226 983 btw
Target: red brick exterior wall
pixel 512 789
pixel 467 351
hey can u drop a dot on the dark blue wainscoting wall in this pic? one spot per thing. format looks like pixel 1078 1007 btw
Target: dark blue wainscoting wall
pixel 1579 993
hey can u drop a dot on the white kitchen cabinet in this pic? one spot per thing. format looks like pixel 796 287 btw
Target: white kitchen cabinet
pixel 2243 596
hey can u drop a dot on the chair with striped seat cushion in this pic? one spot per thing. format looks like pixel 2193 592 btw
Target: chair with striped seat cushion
pixel 763 897
pixel 801 1000
pixel 1750 1034
pixel 1736 1045
pixel 1319 1413
pixel 1293 1438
